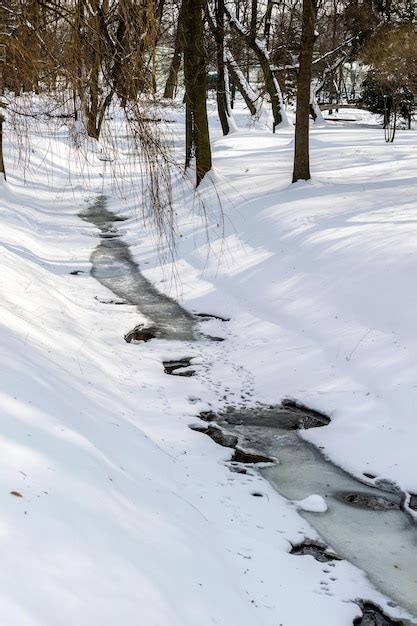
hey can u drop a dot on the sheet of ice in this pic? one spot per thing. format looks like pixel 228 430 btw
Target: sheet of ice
pixel 378 538
pixel 114 267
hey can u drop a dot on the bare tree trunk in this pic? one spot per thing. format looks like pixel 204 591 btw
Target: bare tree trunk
pixel 271 82
pixel 315 110
pixel 2 166
pixel 90 95
pixel 217 29
pixel 196 86
pixel 174 68
pixel 302 123
pixel 268 16
pixel 240 81
pixel 222 99
pixel 189 135
pixel 229 65
pixel 2 106
pixel 253 18
pixel 232 93
pixel 188 96
pixel 332 90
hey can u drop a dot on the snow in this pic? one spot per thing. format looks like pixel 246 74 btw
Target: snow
pixel 250 92
pixel 127 515
pixel 313 503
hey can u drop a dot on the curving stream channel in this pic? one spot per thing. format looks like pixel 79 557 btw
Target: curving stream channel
pixel 365 524
pixel 114 267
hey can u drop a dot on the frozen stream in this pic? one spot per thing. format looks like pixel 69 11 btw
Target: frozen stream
pixel 365 524
pixel 114 267
pixel 380 540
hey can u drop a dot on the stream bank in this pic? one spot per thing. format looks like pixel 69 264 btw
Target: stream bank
pixel 365 524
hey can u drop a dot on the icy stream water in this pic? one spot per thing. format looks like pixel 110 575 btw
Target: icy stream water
pixel 363 524
pixel 380 541
pixel 114 267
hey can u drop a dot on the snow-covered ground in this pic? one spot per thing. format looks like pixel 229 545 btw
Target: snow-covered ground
pixel 129 517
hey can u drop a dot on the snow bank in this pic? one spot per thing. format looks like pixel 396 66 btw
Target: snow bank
pixel 129 517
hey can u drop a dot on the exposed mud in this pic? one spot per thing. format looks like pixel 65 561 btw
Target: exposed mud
pixel 141 333
pixel 228 440
pixel 213 338
pixel 372 615
pixel 370 501
pixel 315 549
pixel 242 455
pixel 211 316
pixel 413 502
pixel 288 416
pixel 177 368
pixel 110 301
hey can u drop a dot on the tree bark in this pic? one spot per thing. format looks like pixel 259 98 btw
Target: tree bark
pixel 217 29
pixel 196 87
pixel 253 18
pixel 2 106
pixel 241 83
pixel 174 68
pixel 302 123
pixel 230 66
pixel 189 134
pixel 267 28
pixel 2 166
pixel 271 82
pixel 221 95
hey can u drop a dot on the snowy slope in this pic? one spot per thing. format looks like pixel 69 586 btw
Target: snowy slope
pixel 319 280
pixel 129 517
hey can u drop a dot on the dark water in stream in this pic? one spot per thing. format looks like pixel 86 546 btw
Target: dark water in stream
pixel 365 525
pixel 114 267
